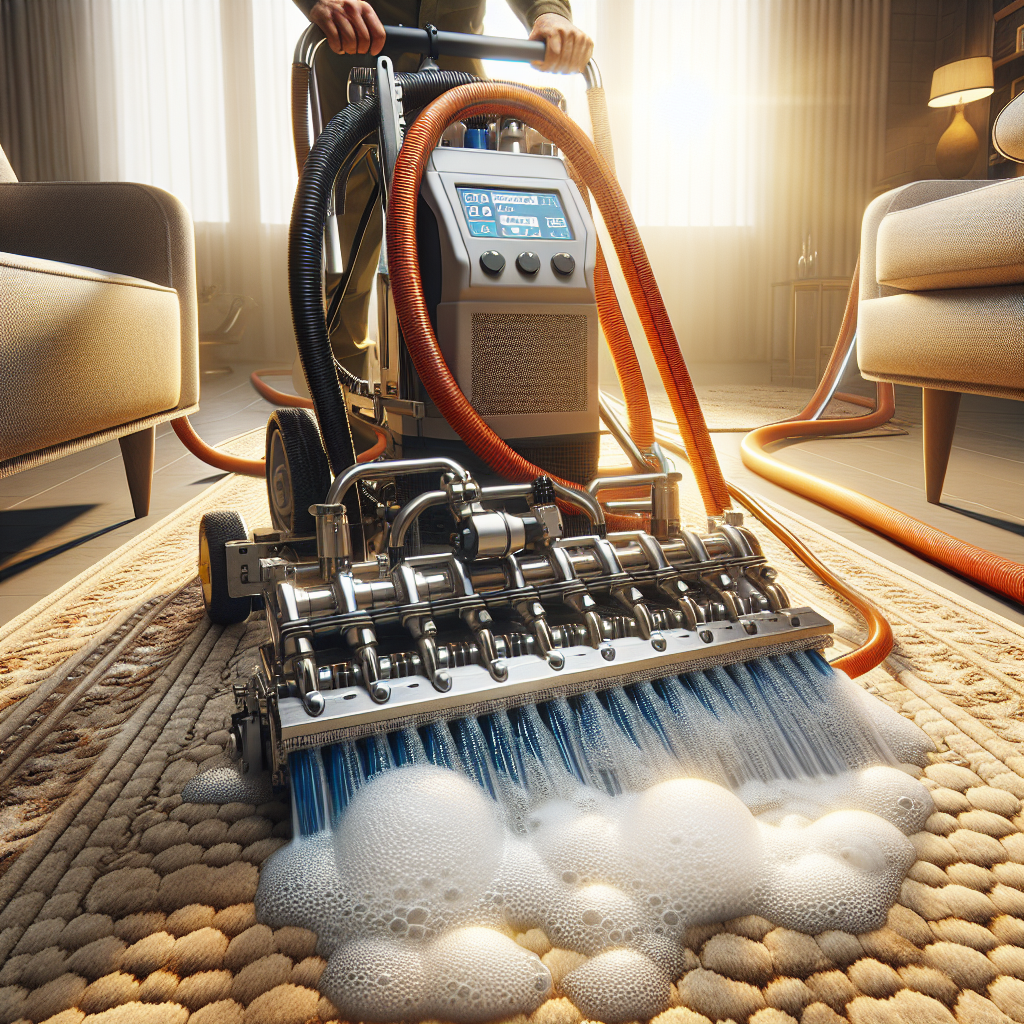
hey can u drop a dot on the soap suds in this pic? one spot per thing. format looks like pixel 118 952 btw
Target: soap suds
pixel 609 822
pixel 416 894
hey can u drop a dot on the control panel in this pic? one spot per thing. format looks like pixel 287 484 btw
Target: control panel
pixel 513 213
pixel 507 251
pixel 511 226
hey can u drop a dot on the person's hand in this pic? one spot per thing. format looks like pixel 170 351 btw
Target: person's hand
pixel 351 26
pixel 569 48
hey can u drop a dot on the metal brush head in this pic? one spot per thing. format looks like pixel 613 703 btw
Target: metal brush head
pixel 350 712
pixel 511 611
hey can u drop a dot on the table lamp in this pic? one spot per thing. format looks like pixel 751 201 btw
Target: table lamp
pixel 963 81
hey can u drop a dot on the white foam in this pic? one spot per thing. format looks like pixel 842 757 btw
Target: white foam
pixel 417 892
pixel 907 741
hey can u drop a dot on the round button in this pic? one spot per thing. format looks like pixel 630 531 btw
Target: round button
pixel 492 261
pixel 562 263
pixel 528 262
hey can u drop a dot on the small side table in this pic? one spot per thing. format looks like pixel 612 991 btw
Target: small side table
pixel 818 286
pixel 229 331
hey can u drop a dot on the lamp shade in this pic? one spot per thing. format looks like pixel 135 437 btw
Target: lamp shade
pixel 963 81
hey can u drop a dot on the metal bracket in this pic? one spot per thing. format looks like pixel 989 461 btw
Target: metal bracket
pixel 399 406
pixel 429 62
pixel 243 559
pixel 392 118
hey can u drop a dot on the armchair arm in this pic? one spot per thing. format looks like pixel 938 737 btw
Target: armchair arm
pixel 1008 131
pixel 120 227
pixel 917 193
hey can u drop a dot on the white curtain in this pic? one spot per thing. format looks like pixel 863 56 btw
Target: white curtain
pixel 48 112
pixel 201 93
pixel 739 127
pixel 692 129
pixel 188 95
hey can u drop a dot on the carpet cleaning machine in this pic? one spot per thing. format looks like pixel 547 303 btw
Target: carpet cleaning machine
pixel 466 569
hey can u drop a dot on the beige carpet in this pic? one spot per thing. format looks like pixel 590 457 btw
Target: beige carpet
pixel 120 903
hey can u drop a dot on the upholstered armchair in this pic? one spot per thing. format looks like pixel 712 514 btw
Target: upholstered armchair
pixel 98 335
pixel 942 292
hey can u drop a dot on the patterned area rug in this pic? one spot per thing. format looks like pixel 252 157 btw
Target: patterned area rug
pixel 121 903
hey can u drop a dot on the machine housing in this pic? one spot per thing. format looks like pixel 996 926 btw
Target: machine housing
pixel 521 343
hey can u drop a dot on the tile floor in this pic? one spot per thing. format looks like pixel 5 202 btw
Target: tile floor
pixel 60 518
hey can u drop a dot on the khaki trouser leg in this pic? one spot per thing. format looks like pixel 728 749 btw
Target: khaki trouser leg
pixel 349 340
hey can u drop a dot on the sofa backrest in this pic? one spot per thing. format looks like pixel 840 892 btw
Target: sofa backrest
pixel 1008 131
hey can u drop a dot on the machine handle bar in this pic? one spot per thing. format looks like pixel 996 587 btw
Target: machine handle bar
pixel 434 43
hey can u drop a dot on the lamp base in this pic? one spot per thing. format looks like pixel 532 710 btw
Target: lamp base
pixel 958 147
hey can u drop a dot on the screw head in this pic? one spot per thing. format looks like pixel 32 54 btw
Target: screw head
pixel 314 703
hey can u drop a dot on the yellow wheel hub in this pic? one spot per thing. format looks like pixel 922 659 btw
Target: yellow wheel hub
pixel 205 573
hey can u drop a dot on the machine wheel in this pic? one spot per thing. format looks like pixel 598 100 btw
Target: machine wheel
pixel 216 529
pixel 298 474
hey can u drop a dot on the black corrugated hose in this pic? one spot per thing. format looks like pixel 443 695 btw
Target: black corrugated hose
pixel 305 255
pixel 348 129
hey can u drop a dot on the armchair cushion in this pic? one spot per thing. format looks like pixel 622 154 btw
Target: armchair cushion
pixel 973 239
pixel 967 340
pixel 83 351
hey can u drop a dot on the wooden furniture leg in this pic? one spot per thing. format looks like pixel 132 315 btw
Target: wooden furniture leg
pixel 138 451
pixel 940 409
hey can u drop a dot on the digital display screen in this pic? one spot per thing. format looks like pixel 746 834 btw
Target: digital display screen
pixel 503 213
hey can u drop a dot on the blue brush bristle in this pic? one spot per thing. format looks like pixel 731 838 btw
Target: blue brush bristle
pixel 765 719
pixel 473 749
pixel 501 743
pixel 307 790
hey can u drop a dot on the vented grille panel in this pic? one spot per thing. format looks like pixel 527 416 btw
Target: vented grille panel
pixel 528 363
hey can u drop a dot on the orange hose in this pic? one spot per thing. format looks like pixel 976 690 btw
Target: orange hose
pixel 298 402
pixel 378 447
pixel 985 568
pixel 836 361
pixel 275 396
pixel 879 642
pixel 221 460
pixel 639 421
pixel 854 399
pixel 513 101
pixel 257 467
